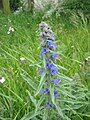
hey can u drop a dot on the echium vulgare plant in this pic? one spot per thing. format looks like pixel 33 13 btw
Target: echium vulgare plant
pixel 49 70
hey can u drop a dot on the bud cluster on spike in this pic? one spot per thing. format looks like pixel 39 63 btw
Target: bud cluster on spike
pixel 48 53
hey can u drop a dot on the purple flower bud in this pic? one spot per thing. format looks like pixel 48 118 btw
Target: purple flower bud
pixel 41 55
pixel 48 64
pixel 55 56
pixel 49 43
pixel 41 70
pixel 46 82
pixel 54 70
pixel 48 104
pixel 51 65
pixel 44 50
pixel 51 37
pixel 56 81
pixel 44 34
pixel 56 93
pixel 46 90
pixel 41 91
pixel 54 45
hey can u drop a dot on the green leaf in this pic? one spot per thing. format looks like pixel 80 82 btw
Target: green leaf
pixel 35 64
pixel 44 61
pixel 61 67
pixel 64 92
pixel 31 115
pixel 39 103
pixel 59 110
pixel 3 95
pixel 42 81
pixel 29 81
pixel 32 98
pixel 1 118
pixel 87 115
pixel 64 77
pixel 45 116
pixel 52 94
pixel 53 101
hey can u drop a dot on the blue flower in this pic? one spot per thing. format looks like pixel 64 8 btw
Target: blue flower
pixel 49 43
pixel 54 45
pixel 55 56
pixel 54 70
pixel 51 37
pixel 41 55
pixel 56 81
pixel 41 70
pixel 51 65
pixel 44 50
pixel 46 90
pixel 56 93
pixel 46 82
pixel 48 104
pixel 48 64
pixel 41 91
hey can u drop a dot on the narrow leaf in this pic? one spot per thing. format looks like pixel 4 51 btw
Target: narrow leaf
pixel 31 115
pixel 32 98
pixel 45 116
pixel 29 81
pixel 41 83
pixel 39 103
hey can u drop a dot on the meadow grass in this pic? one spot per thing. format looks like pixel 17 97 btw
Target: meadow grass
pixel 20 76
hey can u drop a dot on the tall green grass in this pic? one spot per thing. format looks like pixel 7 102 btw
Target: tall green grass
pixel 22 76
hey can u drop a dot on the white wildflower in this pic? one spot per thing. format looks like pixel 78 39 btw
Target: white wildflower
pixel 22 59
pixel 2 80
pixel 12 29
pixel 8 32
pixel 72 46
pixel 88 57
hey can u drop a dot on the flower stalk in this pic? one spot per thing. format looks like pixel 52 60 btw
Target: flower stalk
pixel 49 59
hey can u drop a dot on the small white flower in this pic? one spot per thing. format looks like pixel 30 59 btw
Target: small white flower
pixel 2 80
pixel 22 59
pixel 12 29
pixel 8 32
pixel 88 57
pixel 9 20
pixel 5 25
pixel 72 46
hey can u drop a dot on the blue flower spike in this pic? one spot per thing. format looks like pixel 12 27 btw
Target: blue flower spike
pixel 49 56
